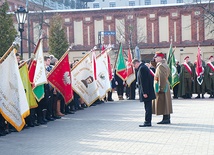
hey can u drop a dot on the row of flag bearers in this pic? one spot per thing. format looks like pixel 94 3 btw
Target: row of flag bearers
pixel 23 87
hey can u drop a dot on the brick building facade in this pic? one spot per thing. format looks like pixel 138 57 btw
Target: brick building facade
pixel 150 28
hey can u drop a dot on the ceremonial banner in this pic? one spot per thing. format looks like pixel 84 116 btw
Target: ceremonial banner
pixel 173 76
pixel 94 64
pixel 121 65
pixel 27 86
pixel 109 62
pixel 60 78
pixel 130 70
pixel 103 81
pixel 199 67
pixel 109 67
pixel 37 72
pixel 83 82
pixel 13 102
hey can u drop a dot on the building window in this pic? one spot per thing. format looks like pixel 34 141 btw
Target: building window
pixel 112 4
pixel 179 1
pixel 163 1
pixel 147 2
pixel 131 3
pixel 96 5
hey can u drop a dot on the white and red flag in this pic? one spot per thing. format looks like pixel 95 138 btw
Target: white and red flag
pixel 130 70
pixel 37 73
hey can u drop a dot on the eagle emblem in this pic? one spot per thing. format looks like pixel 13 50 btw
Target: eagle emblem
pixel 66 78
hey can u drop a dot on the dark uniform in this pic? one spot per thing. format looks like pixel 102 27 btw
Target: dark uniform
pixel 197 88
pixel 186 80
pixel 209 77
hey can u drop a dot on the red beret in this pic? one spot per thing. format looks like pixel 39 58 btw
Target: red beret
pixel 210 57
pixel 159 54
pixel 186 57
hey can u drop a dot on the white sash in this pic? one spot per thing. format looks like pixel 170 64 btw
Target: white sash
pixel 187 67
pixel 210 65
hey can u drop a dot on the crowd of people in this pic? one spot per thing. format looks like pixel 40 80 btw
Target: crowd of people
pixel 51 107
pixel 151 80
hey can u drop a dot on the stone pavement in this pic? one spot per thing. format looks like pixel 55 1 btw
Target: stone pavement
pixel 112 129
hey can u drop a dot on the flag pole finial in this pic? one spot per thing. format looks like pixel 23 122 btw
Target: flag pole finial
pixel 171 39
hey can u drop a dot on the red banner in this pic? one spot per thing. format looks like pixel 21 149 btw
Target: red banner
pixel 199 67
pixel 60 78
pixel 130 69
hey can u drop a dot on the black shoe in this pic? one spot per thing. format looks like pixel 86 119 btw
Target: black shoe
pixel 146 125
pixel 110 99
pixel 13 130
pixel 36 124
pixel 50 119
pixel 84 105
pixel 175 97
pixel 2 133
pixel 69 112
pixel 131 99
pixel 30 125
pixel 42 122
pixel 164 122
pixel 56 117
pixel 80 108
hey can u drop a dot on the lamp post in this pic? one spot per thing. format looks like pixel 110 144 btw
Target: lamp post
pixel 21 14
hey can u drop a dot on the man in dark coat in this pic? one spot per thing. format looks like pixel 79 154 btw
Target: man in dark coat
pixel 146 89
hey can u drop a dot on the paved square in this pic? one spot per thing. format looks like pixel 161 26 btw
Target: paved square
pixel 112 129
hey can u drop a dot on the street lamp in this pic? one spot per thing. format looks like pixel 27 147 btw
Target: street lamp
pixel 21 14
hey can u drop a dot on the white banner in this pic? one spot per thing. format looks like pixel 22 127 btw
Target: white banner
pixel 103 81
pixel 13 102
pixel 40 75
pixel 130 79
pixel 83 82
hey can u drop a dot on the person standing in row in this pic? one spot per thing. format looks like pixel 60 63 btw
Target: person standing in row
pixel 175 88
pixel 163 102
pixel 199 88
pixel 146 89
pixel 186 79
pixel 209 76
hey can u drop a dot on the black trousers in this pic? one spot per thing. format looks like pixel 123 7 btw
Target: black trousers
pixel 120 89
pixel 148 111
pixel 175 91
pixel 132 90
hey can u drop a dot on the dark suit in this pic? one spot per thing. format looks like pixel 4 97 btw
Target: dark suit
pixel 145 84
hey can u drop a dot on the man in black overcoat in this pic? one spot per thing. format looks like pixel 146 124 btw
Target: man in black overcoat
pixel 146 89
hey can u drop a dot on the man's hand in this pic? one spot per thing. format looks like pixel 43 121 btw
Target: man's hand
pixel 145 95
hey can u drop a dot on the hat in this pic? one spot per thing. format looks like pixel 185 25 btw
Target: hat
pixel 159 54
pixel 186 57
pixel 210 57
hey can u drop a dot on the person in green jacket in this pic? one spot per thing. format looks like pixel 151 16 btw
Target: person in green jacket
pixel 209 76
